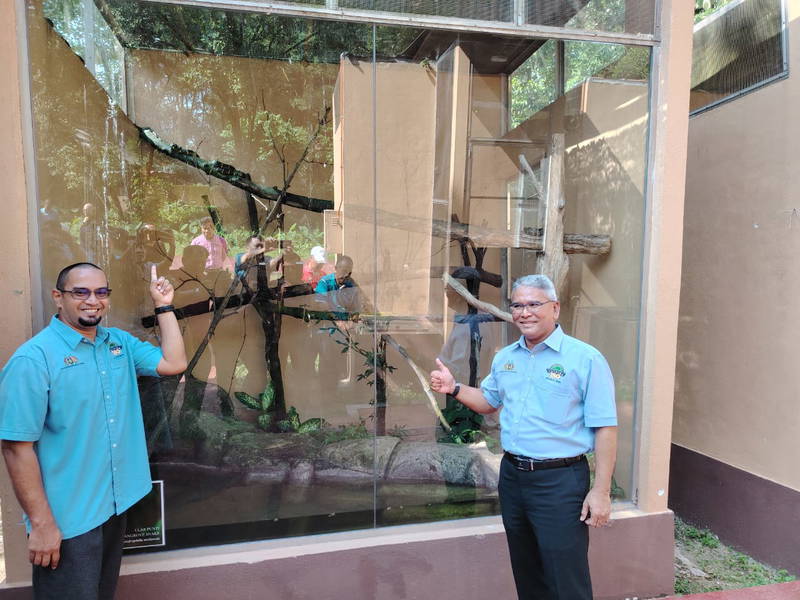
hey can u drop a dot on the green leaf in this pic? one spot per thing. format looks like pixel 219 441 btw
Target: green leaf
pixel 248 400
pixel 293 418
pixel 267 397
pixel 285 426
pixel 310 425
pixel 264 421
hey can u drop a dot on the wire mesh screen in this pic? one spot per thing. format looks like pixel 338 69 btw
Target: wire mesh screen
pixel 614 16
pixel 618 16
pixel 499 10
pixel 736 49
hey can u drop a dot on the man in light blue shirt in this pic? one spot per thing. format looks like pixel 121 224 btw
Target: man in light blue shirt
pixel 72 432
pixel 557 396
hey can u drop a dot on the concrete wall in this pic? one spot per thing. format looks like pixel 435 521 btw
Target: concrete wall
pixel 15 319
pixel 736 420
pixel 737 382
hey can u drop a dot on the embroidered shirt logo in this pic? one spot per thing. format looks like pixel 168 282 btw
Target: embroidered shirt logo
pixel 70 360
pixel 509 366
pixel 116 349
pixel 556 372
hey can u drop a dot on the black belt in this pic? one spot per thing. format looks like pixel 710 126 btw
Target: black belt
pixel 525 463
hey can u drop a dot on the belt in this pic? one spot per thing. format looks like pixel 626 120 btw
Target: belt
pixel 525 463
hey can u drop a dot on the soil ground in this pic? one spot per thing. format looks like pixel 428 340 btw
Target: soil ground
pixel 704 564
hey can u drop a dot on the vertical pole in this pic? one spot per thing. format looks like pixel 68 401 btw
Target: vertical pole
pixel 88 35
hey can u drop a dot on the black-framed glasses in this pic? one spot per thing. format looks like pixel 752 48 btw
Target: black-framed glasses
pixel 81 293
pixel 519 308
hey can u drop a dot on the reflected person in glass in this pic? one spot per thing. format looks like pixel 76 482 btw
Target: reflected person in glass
pixel 557 396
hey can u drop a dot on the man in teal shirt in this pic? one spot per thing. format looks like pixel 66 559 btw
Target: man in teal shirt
pixel 557 396
pixel 73 436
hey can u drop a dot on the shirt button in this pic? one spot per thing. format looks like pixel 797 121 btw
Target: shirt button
pixel 111 420
pixel 103 373
pixel 113 445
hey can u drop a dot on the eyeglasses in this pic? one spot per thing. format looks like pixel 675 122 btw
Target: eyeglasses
pixel 518 308
pixel 84 293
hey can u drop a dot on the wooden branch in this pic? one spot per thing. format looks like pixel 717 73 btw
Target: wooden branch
pixel 473 301
pixel 422 379
pixel 287 181
pixel 554 261
pixel 574 243
pixel 232 175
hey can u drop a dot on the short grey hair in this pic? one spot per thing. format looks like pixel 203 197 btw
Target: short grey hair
pixel 540 282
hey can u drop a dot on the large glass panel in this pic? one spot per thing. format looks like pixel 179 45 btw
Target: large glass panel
pixel 623 16
pixel 394 176
pixel 736 49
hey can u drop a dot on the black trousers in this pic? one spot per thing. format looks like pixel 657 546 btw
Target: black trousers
pixel 548 543
pixel 89 565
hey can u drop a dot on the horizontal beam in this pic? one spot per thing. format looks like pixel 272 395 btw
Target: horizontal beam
pixel 423 21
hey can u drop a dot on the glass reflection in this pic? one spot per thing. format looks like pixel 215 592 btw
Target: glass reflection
pixel 325 252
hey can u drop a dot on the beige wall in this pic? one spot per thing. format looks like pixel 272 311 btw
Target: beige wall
pixel 402 162
pixel 15 319
pixel 738 383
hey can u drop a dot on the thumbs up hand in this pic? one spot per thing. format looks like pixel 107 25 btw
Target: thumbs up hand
pixel 442 379
pixel 161 289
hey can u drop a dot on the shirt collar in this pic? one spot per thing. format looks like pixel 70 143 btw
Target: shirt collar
pixel 72 337
pixel 553 340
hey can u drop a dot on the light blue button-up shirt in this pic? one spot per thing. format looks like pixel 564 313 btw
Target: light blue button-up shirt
pixel 553 397
pixel 79 402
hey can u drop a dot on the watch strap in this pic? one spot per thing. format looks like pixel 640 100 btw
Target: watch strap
pixel 160 310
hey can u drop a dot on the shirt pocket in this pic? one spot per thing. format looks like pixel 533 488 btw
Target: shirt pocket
pixel 556 400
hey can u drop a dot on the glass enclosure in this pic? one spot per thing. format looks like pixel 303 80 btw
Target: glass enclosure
pixel 736 49
pixel 397 181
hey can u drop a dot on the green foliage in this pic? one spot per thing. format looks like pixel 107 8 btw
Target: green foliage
pixel 248 400
pixel 354 431
pixel 267 397
pixel 533 86
pixel 704 536
pixel 464 424
pixel 372 360
pixel 254 35
pixel 706 8
pixel 265 404
pixel 723 567
pixel 265 421
pixel 304 237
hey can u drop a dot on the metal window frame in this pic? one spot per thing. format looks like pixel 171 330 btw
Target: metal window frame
pixel 332 11
pixel 783 74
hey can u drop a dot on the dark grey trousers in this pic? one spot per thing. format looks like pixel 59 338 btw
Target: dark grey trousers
pixel 89 565
pixel 548 543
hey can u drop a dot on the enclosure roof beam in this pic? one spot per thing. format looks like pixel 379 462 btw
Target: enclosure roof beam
pixel 423 21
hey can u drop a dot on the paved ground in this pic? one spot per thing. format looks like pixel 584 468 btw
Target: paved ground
pixel 778 591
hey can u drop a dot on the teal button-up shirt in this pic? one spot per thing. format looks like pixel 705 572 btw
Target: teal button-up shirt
pixel 79 402
pixel 553 397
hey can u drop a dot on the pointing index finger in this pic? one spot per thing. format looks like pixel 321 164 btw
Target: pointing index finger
pixel 153 273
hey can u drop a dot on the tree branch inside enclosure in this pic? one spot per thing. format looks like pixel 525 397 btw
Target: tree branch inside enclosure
pixel 232 175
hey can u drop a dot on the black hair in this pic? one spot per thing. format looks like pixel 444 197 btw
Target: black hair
pixel 61 280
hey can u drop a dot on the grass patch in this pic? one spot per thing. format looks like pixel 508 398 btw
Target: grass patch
pixel 707 565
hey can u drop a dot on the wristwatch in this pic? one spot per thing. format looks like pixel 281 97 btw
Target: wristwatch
pixel 456 390
pixel 163 309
